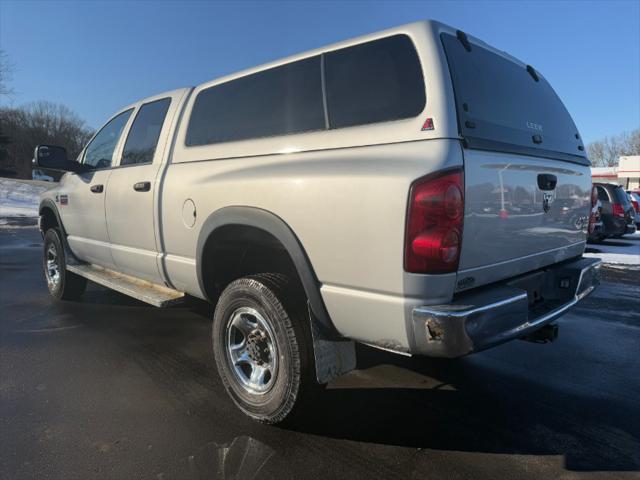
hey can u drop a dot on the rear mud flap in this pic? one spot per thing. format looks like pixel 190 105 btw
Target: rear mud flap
pixel 333 357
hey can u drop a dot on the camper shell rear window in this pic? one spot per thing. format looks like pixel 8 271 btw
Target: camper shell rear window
pixel 504 105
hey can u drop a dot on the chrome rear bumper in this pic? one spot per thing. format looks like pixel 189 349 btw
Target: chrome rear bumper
pixel 489 316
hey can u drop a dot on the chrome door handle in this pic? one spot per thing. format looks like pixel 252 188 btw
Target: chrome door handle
pixel 142 186
pixel 97 188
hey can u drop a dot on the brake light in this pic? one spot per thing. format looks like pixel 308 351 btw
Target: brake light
pixel 434 224
pixel 636 205
pixel 594 210
pixel 618 211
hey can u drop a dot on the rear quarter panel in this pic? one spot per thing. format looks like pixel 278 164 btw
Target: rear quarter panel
pixel 346 206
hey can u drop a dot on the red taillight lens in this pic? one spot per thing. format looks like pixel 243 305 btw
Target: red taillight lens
pixel 594 210
pixel 636 206
pixel 434 224
pixel 618 211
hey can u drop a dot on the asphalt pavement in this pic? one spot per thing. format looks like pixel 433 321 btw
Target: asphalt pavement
pixel 111 388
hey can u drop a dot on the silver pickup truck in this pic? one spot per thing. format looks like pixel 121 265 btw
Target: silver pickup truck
pixel 415 190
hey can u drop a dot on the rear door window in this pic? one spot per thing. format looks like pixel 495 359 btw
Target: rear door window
pixel 145 131
pixel 374 82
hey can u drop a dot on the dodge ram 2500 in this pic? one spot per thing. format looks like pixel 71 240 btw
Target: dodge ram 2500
pixel 415 189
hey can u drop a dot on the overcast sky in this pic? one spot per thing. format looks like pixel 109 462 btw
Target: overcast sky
pixel 98 56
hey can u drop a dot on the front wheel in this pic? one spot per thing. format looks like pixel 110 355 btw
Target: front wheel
pixel 62 284
pixel 262 346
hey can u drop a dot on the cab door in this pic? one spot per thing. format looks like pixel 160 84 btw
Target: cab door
pixel 81 202
pixel 132 194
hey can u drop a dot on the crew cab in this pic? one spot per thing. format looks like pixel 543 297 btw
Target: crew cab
pixel 415 189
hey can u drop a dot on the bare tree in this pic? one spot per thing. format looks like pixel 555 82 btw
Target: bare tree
pixel 595 151
pixel 633 142
pixel 38 123
pixel 607 152
pixel 6 74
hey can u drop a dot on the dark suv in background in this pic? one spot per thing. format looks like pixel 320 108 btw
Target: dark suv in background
pixel 634 196
pixel 617 211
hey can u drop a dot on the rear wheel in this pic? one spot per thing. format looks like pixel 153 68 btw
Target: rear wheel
pixel 263 348
pixel 62 284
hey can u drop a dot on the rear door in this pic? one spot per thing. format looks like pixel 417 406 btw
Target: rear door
pixel 527 179
pixel 132 195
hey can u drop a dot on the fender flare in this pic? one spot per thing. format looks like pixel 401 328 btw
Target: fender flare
pixel 48 203
pixel 278 228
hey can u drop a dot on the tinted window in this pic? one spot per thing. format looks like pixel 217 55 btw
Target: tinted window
pixel 500 101
pixel 279 101
pixel 99 152
pixel 374 82
pixel 621 196
pixel 144 133
pixel 602 194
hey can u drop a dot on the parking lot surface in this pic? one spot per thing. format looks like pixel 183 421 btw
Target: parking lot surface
pixel 112 388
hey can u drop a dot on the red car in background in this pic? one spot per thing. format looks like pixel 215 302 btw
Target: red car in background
pixel 634 197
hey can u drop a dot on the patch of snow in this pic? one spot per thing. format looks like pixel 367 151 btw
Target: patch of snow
pixel 20 198
pixel 620 252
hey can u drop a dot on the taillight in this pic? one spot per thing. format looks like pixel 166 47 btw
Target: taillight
pixel 594 210
pixel 434 224
pixel 618 211
pixel 636 206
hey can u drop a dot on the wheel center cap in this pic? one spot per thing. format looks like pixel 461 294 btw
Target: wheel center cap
pixel 258 347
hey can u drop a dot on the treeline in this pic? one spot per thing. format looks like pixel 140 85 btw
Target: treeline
pixel 23 128
pixel 607 152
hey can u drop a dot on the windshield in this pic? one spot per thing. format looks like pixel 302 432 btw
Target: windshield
pixel 506 106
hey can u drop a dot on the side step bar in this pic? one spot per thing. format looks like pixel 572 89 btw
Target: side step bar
pixel 142 290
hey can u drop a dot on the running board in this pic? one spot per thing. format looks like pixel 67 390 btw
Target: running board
pixel 142 290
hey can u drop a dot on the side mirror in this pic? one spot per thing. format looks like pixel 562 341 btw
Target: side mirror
pixel 52 157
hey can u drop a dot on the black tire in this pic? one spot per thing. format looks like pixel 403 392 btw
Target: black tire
pixel 67 285
pixel 280 303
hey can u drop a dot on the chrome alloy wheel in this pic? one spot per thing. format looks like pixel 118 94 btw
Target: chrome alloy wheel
pixel 52 269
pixel 251 350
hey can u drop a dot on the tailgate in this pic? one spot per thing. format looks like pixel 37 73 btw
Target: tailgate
pixel 511 225
pixel 527 178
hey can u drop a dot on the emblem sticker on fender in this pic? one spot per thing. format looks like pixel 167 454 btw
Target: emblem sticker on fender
pixel 428 124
